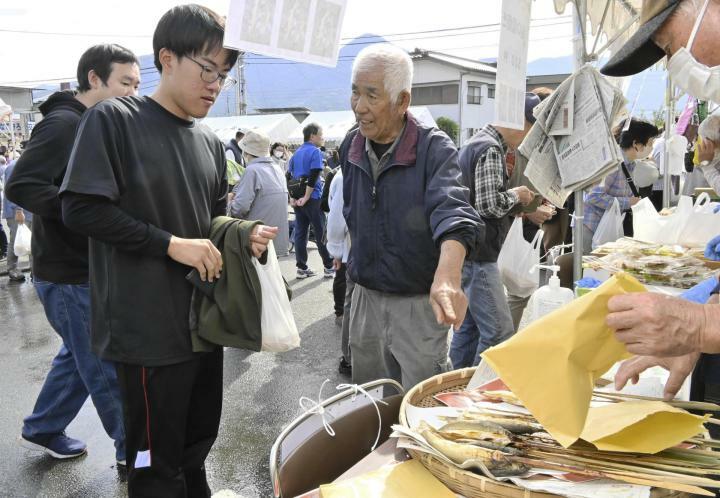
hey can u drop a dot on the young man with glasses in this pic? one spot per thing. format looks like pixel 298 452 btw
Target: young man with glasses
pixel 144 182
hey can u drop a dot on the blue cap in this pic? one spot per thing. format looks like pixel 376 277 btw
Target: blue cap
pixel 531 101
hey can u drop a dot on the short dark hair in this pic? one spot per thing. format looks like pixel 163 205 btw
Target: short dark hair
pixel 311 129
pixel 100 59
pixel 639 131
pixel 239 134
pixel 188 30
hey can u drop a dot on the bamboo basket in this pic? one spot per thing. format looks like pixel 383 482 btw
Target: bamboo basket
pixel 466 483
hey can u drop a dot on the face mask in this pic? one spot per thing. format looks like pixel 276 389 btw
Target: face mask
pixel 643 151
pixel 688 73
pixel 278 154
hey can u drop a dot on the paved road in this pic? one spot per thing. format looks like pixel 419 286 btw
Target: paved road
pixel 261 395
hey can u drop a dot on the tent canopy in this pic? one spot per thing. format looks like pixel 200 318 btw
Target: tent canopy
pixel 276 126
pixel 335 124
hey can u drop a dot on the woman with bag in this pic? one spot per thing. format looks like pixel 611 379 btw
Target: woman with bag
pixel 621 185
pixel 15 217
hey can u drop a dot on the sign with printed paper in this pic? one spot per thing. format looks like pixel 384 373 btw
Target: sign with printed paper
pixel 298 30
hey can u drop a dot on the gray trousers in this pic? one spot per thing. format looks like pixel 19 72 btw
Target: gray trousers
pixel 517 306
pixel 345 334
pixel 12 259
pixel 395 337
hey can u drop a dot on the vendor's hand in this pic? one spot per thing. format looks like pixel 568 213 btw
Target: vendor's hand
pixel 634 200
pixel 301 202
pixel 20 216
pixel 679 367
pixel 525 195
pixel 706 150
pixel 260 238
pixel 448 301
pixel 656 325
pixel 201 254
pixel 539 216
pixel 336 264
pixel 712 249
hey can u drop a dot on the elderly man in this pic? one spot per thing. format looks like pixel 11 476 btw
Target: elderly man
pixel 410 223
pixel 668 331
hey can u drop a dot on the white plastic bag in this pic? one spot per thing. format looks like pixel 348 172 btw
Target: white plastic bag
pixel 518 261
pixel 23 236
pixel 610 227
pixel 702 224
pixel 279 332
pixel 650 226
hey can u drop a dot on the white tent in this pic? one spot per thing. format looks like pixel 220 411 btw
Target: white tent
pixel 335 124
pixel 277 126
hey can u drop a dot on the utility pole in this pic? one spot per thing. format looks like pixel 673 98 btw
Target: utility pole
pixel 240 87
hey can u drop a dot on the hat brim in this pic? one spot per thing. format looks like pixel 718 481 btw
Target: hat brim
pixel 640 51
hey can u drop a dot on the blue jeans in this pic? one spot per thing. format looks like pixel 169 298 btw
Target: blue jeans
pixel 76 371
pixel 488 321
pixel 308 214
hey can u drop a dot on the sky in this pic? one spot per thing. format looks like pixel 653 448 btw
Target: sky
pixel 42 40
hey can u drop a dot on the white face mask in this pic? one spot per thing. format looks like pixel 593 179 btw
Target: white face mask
pixel 278 154
pixel 643 151
pixel 688 73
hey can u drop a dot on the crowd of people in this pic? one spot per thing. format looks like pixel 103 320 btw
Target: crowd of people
pixel 408 226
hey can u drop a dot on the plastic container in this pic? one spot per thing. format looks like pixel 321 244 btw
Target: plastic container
pixel 550 297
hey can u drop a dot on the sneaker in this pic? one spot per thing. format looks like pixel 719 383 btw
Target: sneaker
pixel 344 368
pixel 16 276
pixel 304 273
pixel 58 446
pixel 328 273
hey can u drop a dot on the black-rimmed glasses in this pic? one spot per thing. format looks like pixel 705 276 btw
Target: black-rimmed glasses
pixel 210 75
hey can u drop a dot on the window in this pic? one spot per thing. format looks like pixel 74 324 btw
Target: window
pixel 474 95
pixel 436 94
pixel 491 91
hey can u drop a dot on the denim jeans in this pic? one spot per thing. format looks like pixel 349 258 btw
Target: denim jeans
pixel 308 214
pixel 76 371
pixel 488 321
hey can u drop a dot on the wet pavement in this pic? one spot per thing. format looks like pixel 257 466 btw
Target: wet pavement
pixel 261 392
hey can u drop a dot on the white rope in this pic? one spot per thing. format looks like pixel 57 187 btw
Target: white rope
pixel 311 407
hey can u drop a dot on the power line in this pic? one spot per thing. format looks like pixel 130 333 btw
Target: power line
pixel 62 33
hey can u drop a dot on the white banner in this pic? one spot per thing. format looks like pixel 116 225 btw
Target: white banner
pixel 298 30
pixel 512 64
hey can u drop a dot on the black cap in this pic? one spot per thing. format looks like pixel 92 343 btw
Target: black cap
pixel 640 52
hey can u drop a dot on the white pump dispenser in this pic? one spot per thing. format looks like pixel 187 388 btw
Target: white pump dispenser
pixel 550 297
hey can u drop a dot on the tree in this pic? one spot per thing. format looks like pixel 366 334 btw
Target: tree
pixel 448 126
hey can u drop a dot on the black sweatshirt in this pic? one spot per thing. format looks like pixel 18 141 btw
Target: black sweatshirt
pixel 59 255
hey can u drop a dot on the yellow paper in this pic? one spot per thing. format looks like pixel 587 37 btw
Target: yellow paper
pixel 399 481
pixel 552 364
pixel 639 426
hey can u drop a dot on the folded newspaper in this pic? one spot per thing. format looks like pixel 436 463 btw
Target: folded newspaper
pixel 571 145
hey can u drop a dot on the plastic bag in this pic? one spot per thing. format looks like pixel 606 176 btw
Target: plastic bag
pixel 610 227
pixel 650 226
pixel 518 261
pixel 23 237
pixel 279 332
pixel 702 225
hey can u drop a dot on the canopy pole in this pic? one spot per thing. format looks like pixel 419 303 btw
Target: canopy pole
pixel 669 121
pixel 580 57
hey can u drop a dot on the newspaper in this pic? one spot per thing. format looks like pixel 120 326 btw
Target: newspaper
pixel 571 145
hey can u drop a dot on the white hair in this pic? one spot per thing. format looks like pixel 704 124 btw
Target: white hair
pixel 395 63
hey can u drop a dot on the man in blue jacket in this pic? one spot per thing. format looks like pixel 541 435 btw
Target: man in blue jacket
pixel 307 163
pixel 410 223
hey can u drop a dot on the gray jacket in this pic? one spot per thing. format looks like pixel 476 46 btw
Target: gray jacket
pixel 262 194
